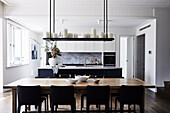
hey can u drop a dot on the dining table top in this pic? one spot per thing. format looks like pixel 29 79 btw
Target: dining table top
pixel 47 82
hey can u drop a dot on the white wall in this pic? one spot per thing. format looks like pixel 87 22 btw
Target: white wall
pixel 25 71
pixel 157 40
pixel 1 49
pixel 163 45
pixel 121 32
pixel 150 45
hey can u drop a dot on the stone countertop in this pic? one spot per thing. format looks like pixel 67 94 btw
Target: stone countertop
pixel 82 67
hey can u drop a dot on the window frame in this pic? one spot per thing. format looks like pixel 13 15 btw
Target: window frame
pixel 11 44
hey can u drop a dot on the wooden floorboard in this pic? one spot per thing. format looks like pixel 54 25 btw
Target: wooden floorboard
pixel 154 103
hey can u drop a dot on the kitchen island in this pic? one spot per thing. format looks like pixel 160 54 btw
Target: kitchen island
pixel 98 70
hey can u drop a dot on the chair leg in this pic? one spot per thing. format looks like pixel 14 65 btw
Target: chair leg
pixel 121 108
pixel 35 106
pixel 99 107
pixel 134 109
pixel 39 108
pixel 107 108
pixel 87 108
pixel 19 108
pixel 81 109
pixel 56 108
pixel 72 108
pixel 141 108
pixel 29 107
pixel 45 103
pixel 25 108
pixel 111 103
pixel 52 108
pixel 82 102
pixel 129 108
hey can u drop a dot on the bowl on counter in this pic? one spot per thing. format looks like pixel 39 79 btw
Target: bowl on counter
pixel 82 78
pixel 71 80
pixel 96 80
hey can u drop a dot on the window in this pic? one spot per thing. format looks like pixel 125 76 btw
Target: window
pixel 17 44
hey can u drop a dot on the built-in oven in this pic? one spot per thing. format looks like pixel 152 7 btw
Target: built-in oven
pixel 109 58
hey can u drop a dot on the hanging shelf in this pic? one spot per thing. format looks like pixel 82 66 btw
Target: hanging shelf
pixel 105 25
pixel 78 39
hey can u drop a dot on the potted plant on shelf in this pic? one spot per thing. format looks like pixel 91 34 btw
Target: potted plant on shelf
pixel 54 53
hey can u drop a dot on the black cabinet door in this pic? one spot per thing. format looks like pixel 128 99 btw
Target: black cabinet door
pixel 113 73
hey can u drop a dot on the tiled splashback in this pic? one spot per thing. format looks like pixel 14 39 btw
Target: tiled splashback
pixel 78 58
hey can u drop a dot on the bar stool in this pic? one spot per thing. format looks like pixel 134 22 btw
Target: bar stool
pixel 30 95
pixel 98 95
pixel 131 95
pixel 62 95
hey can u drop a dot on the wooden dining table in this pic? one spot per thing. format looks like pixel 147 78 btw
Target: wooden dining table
pixel 79 87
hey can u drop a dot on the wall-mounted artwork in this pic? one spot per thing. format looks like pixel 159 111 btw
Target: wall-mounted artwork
pixel 34 51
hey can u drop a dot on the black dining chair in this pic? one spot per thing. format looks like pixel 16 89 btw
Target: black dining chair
pixel 30 95
pixel 97 95
pixel 131 95
pixel 62 95
pixel 84 95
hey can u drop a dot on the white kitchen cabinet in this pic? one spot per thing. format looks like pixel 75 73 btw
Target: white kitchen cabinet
pixel 98 46
pixel 109 46
pixel 89 46
pixel 69 46
pixel 61 46
pixel 66 46
pixel 86 46
pixel 79 46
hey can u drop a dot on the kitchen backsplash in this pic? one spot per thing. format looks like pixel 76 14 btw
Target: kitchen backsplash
pixel 78 58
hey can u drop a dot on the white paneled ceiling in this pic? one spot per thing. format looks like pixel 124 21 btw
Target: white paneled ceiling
pixel 95 2
pixel 82 13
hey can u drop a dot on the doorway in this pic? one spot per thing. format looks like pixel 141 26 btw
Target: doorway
pixel 126 56
pixel 140 57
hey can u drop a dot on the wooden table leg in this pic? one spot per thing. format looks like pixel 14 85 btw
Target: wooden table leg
pixel 14 101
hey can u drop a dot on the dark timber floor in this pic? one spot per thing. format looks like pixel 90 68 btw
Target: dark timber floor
pixel 154 103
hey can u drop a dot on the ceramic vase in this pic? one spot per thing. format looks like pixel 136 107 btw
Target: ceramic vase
pixel 52 61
